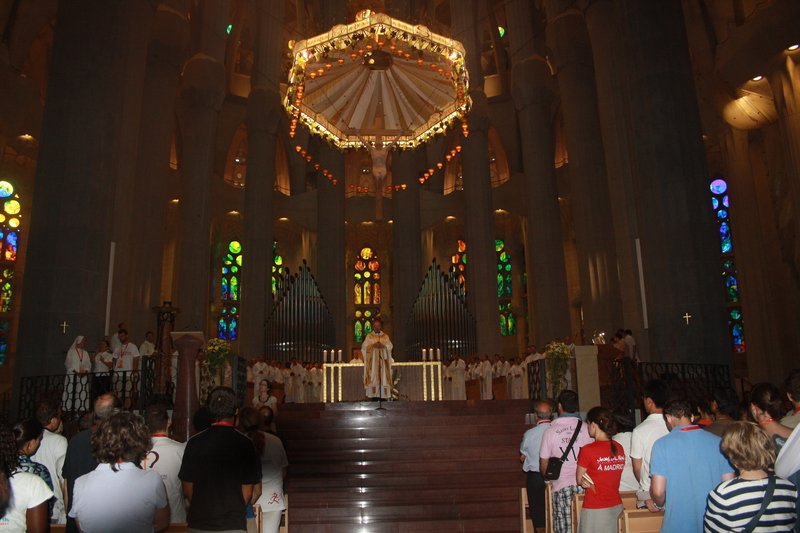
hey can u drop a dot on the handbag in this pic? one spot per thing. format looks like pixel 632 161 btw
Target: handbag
pixel 768 494
pixel 554 464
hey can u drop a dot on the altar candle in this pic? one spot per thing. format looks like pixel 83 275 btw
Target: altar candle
pixel 424 353
pixel 324 356
pixel 438 354
pixel 340 356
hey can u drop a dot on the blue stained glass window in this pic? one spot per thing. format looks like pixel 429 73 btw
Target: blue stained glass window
pixel 718 186
pixel 720 202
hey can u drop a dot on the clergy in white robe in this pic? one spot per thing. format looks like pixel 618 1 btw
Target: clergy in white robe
pixel 486 373
pixel 377 352
pixel 457 370
pixel 517 386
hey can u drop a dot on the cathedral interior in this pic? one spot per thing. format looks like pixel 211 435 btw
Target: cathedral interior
pixel 623 163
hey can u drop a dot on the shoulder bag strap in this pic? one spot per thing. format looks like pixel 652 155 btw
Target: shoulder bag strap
pixel 768 494
pixel 572 441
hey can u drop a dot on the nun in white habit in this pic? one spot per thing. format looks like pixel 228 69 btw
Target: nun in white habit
pixel 78 364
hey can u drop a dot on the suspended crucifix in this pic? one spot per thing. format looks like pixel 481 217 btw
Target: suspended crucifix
pixel 377 84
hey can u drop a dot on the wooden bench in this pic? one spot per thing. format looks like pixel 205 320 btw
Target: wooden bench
pixel 640 521
pixel 526 523
pixel 628 503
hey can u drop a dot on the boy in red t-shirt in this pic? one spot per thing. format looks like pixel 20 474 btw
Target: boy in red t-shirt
pixel 599 471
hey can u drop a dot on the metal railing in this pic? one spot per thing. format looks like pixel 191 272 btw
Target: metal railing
pixel 76 392
pixel 694 381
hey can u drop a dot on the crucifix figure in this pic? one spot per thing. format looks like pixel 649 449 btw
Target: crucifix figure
pixel 686 317
pixel 63 327
pixel 379 151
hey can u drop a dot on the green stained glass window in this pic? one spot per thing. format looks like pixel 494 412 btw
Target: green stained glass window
pixel 230 291
pixel 277 270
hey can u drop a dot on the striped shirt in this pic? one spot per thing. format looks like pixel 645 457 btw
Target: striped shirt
pixel 735 502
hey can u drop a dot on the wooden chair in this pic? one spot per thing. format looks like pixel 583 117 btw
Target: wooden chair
pixel 548 506
pixel 640 521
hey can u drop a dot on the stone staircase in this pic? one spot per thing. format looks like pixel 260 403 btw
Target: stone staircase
pixel 442 467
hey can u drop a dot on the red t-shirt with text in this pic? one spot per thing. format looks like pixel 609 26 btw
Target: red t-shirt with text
pixel 605 470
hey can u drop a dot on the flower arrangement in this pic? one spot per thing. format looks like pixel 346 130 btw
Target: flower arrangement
pixel 217 353
pixel 557 355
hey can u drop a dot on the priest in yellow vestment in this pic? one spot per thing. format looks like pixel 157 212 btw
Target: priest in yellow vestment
pixel 377 351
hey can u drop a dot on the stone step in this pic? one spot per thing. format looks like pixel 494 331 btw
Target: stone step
pixel 472 525
pixel 325 468
pixel 402 442
pixel 406 480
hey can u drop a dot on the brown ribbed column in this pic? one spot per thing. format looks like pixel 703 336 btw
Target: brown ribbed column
pixel 406 246
pixel 604 31
pixel 201 94
pixel 166 54
pixel 479 221
pixel 594 232
pixel 533 90
pixel 264 114
pixel 679 244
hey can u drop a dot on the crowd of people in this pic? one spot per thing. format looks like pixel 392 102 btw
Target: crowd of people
pixel 125 474
pixel 715 465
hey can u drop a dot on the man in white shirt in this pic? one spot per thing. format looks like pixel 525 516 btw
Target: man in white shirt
pixel 126 356
pixel 652 428
pixel 529 457
pixel 165 458
pixel 148 347
pixel 115 342
pixel 51 454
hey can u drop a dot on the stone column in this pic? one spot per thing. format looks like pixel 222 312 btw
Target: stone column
pixel 608 55
pixel 679 245
pixel 406 246
pixel 167 51
pixel 79 158
pixel 534 96
pixel 264 113
pixel 331 268
pixel 594 232
pixel 479 221
pixel 201 94
pixel 188 344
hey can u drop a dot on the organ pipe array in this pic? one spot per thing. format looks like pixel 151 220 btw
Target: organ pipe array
pixel 300 325
pixel 440 317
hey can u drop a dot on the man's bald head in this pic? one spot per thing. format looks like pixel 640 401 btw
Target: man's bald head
pixel 105 405
pixel 543 409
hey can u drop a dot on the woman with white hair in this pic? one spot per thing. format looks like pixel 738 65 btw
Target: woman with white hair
pixel 78 364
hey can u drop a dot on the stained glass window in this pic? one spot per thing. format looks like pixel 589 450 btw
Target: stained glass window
pixel 10 221
pixel 508 320
pixel 720 207
pixel 277 268
pixel 230 291
pixel 458 262
pixel 366 292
